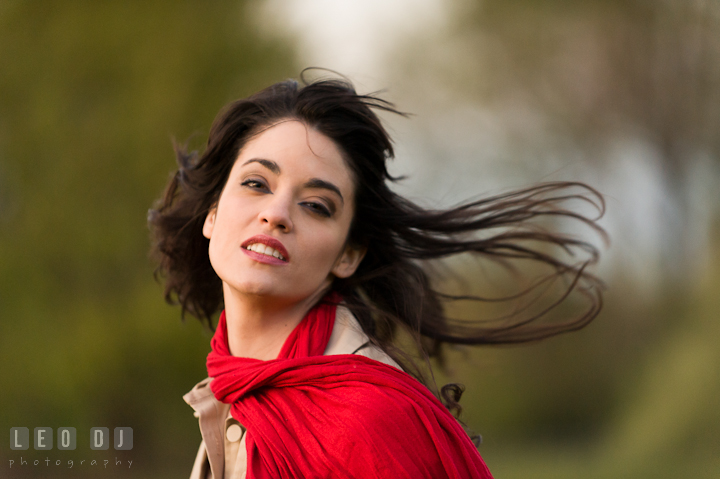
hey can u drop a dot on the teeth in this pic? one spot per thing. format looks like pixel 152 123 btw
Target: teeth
pixel 263 249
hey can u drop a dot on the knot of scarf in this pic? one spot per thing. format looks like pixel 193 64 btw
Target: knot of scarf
pixel 315 416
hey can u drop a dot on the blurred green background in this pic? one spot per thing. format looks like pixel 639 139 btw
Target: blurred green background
pixel 623 95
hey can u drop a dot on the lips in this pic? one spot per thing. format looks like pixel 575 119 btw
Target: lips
pixel 253 244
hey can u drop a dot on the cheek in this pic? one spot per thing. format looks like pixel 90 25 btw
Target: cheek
pixel 323 249
pixel 222 241
pixel 217 253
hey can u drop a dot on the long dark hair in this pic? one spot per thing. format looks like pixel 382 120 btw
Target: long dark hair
pixel 392 289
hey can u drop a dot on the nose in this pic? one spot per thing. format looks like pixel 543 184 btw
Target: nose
pixel 277 212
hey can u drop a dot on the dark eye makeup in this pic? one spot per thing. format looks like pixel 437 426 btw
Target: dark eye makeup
pixel 318 208
pixel 314 206
pixel 253 183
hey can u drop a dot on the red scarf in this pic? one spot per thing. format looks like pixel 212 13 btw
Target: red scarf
pixel 314 416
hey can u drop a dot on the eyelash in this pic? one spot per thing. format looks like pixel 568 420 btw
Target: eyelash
pixel 260 183
pixel 317 208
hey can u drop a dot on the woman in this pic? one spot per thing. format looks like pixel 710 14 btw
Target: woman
pixel 286 223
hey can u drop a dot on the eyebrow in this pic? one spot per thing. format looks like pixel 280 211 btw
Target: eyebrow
pixel 311 183
pixel 269 164
pixel 326 185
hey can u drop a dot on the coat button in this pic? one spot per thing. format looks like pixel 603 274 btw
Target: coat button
pixel 233 433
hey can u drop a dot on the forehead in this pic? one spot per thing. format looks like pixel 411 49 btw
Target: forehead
pixel 300 151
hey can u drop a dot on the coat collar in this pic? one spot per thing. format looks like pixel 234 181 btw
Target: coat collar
pixel 209 412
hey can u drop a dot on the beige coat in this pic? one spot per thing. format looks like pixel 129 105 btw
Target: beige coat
pixel 222 453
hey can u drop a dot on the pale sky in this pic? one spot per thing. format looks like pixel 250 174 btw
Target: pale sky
pixel 356 38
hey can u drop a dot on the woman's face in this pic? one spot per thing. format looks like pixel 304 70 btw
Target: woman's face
pixel 280 226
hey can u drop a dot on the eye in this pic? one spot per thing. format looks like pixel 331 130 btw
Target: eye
pixel 254 184
pixel 318 208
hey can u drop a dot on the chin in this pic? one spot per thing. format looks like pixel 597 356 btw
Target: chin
pixel 256 288
pixel 257 284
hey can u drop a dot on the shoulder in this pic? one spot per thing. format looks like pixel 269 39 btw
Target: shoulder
pixel 348 338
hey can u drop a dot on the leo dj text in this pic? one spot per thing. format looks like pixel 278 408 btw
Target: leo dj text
pixel 66 438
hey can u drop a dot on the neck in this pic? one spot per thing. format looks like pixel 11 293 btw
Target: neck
pixel 258 326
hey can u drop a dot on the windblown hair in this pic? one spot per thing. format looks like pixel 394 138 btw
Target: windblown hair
pixel 392 288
